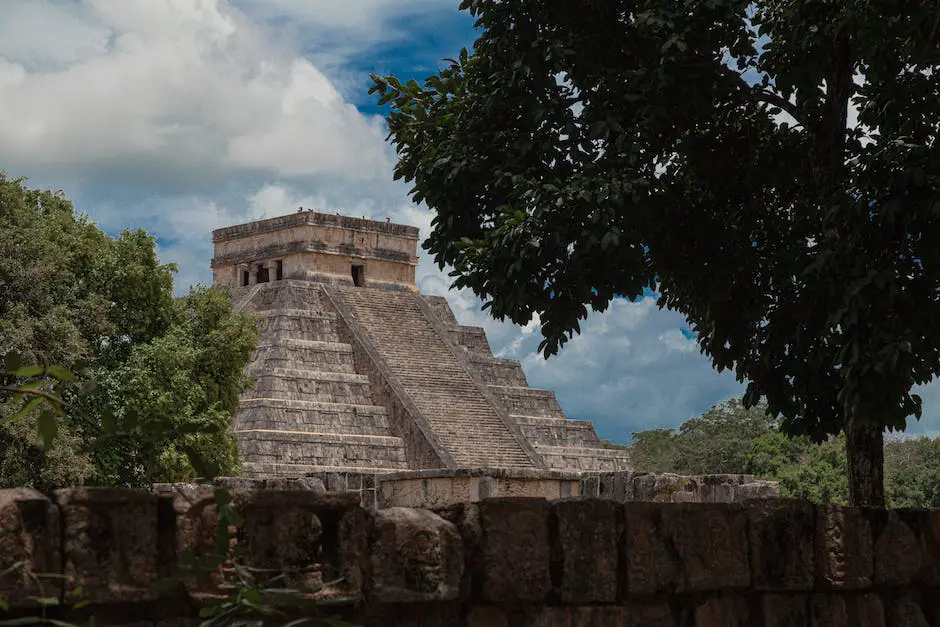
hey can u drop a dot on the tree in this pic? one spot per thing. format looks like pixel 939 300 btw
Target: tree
pixel 771 454
pixel 912 472
pixel 167 372
pixel 654 450
pixel 718 441
pixel 820 476
pixel 591 150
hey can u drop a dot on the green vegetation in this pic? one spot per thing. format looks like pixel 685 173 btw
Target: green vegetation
pixel 730 438
pixel 156 380
pixel 584 151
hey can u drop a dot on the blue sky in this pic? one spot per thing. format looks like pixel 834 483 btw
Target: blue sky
pixel 181 116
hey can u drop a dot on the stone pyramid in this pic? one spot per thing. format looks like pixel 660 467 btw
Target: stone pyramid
pixel 357 372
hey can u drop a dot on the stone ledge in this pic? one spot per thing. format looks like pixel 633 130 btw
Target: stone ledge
pixel 496 473
pixel 289 342
pixel 314 218
pixel 294 313
pixel 314 405
pixel 339 438
pixel 582 451
pixel 314 375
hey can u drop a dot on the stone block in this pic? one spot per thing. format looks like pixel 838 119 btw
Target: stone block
pixel 417 556
pixel 756 490
pixel 352 554
pixel 196 518
pixel 586 545
pixel 905 611
pixel 785 610
pixel 515 555
pixel 650 563
pixel 658 488
pixel 486 616
pixel 724 611
pixel 609 616
pixel 897 554
pixel 843 548
pixel 847 610
pixel 782 536
pixel 111 543
pixel 29 536
pixel 926 526
pixel 685 547
pixel 312 538
pixel 466 516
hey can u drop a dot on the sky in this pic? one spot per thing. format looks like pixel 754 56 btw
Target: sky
pixel 182 116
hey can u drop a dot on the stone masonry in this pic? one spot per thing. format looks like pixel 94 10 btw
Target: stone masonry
pixel 357 372
pixel 497 563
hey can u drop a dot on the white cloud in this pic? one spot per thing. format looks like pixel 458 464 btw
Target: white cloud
pixel 184 91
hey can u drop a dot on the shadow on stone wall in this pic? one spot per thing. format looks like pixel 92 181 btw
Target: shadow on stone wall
pixel 500 562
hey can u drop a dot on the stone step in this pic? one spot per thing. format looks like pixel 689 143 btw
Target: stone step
pixel 289 342
pixel 526 401
pixel 320 327
pixel 310 385
pixel 320 449
pixel 496 371
pixel 318 375
pixel 322 356
pixel 584 458
pixel 339 418
pixel 468 426
pixel 286 294
pixel 556 431
pixel 294 313
pixel 471 338
pixel 441 309
pixel 250 469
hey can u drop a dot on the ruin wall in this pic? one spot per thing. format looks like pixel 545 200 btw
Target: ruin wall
pixel 496 563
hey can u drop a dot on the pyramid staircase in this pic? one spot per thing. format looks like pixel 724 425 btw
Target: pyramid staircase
pixel 308 410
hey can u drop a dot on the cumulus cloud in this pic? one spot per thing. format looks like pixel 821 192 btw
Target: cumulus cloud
pixel 175 92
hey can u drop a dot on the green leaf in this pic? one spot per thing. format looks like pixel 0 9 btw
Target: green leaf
pixel 60 373
pixel 108 424
pixel 48 427
pixel 29 406
pixel 28 371
pixel 12 361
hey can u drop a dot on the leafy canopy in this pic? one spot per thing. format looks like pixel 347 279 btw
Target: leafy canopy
pixel 730 439
pixel 158 378
pixel 701 148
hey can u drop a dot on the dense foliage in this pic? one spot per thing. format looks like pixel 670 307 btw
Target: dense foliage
pixel 158 378
pixel 588 150
pixel 730 438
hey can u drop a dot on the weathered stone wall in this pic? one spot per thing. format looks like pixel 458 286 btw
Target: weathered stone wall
pixel 317 247
pixel 438 488
pixel 499 562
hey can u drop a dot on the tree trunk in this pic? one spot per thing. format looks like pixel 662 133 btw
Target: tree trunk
pixel 864 446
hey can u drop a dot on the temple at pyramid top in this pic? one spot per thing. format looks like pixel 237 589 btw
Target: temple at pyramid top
pixel 357 373
pixel 312 246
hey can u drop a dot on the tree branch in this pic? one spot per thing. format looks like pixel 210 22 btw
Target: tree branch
pixel 776 100
pixel 46 395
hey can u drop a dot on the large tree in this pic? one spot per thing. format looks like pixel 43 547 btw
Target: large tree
pixel 708 150
pixel 167 372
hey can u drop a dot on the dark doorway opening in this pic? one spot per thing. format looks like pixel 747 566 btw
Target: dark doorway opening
pixel 262 275
pixel 279 271
pixel 246 276
pixel 359 275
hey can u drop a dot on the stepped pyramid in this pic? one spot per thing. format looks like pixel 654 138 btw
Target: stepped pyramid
pixel 358 372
